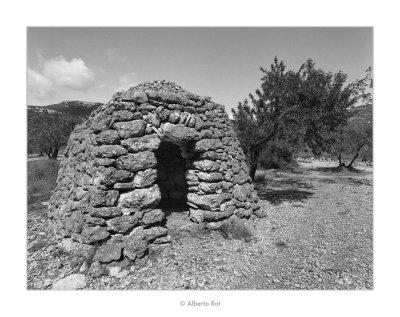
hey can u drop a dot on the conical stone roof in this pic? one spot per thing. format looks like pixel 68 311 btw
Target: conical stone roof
pixel 152 143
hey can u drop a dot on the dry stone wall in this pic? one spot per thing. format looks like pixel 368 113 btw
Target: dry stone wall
pixel 112 178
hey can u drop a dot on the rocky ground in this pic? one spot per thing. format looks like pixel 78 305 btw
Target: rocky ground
pixel 318 235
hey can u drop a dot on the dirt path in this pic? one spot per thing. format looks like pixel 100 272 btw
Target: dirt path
pixel 318 235
pixel 40 158
pixel 323 231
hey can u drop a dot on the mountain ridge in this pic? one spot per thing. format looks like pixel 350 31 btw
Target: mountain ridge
pixel 76 108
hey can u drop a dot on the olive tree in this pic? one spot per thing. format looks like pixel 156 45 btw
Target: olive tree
pixel 357 133
pixel 309 104
pixel 47 131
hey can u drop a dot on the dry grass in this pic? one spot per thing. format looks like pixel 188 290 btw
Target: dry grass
pixel 42 176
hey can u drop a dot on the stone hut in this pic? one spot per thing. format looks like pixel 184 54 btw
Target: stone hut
pixel 151 146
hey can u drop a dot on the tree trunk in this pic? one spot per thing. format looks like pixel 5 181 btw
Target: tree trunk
pixel 340 159
pixel 253 169
pixel 48 151
pixel 54 154
pixel 355 156
pixel 254 154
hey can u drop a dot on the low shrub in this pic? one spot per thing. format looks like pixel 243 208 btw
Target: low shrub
pixel 234 228
pixel 260 176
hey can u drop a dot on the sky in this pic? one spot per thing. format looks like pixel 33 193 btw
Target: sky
pixel 91 64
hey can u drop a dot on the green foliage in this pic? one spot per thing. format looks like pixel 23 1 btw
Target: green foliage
pixel 276 154
pixel 42 176
pixel 294 108
pixel 356 137
pixel 48 131
pixel 366 154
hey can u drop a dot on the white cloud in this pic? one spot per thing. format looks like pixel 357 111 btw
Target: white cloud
pixel 74 74
pixel 39 87
pixel 57 74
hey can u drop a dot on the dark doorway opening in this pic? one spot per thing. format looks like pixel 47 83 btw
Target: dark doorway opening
pixel 171 178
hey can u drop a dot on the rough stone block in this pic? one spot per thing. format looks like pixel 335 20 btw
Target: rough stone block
pixel 105 198
pixel 104 162
pixel 108 253
pixel 146 143
pixel 101 122
pixel 122 224
pixel 135 248
pixel 153 216
pixel 241 192
pixel 75 222
pixel 210 177
pixel 105 212
pixel 145 178
pixel 135 96
pixel 146 107
pixel 152 119
pixel 110 151
pixel 155 232
pixel 109 176
pixel 196 215
pixel 124 186
pixel 243 213
pixel 95 221
pixel 215 216
pixel 178 133
pixel 137 162
pixel 94 234
pixel 207 145
pixel 261 213
pixel 163 240
pixel 122 115
pixel 71 282
pixel 211 155
pixel 209 188
pixel 129 129
pixel 142 198
pixel 207 202
pixel 107 137
pixel 206 166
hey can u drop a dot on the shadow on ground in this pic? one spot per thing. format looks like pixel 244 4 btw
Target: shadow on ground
pixel 281 195
pixel 346 180
pixel 288 182
pixel 339 170
pixel 358 182
pixel 280 190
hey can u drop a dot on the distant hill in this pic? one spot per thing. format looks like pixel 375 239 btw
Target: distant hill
pixel 75 108
pixel 362 113
pixel 40 109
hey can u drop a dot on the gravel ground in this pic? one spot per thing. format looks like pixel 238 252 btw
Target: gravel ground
pixel 318 235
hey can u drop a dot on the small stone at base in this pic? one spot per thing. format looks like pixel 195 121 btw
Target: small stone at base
pixel 113 270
